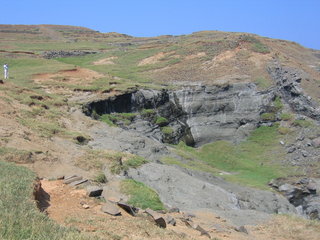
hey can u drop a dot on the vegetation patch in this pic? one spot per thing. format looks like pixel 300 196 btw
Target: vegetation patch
pixel 268 116
pixel 286 116
pixel 302 123
pixel 115 119
pixel 167 130
pixel 161 121
pixel 140 195
pixel 251 162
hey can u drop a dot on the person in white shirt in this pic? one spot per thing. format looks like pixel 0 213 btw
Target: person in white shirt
pixel 6 71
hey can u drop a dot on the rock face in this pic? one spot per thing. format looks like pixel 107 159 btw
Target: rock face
pixel 288 84
pixel 190 191
pixel 61 54
pixel 196 115
pixel 303 194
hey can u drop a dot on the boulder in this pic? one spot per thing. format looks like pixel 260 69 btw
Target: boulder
pixel 72 179
pixel 76 183
pixel 94 191
pixel 316 142
pixel 111 209
pixel 158 218
pixel 128 208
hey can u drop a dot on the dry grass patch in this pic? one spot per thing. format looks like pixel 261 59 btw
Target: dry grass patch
pixel 290 227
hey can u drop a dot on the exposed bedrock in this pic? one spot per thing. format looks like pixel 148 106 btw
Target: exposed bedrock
pixel 190 191
pixel 288 85
pixel 195 114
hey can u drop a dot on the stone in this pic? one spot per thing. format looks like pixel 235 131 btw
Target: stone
pixel 85 206
pixel 316 142
pixel 72 179
pixel 128 208
pixel 241 229
pixel 291 149
pixel 111 209
pixel 94 191
pixel 170 220
pixel 174 210
pixel 70 176
pixel 158 218
pixel 76 183
pixel 304 153
pixel 202 231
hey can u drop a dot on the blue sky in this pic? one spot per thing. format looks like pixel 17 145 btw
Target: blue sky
pixel 295 20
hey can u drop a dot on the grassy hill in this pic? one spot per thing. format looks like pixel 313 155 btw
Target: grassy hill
pixel 38 129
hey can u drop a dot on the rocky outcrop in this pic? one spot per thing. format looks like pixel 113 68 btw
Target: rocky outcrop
pixel 303 194
pixel 288 84
pixel 62 54
pixel 190 191
pixel 196 115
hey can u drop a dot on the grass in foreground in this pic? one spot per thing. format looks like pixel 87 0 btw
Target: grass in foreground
pixel 140 195
pixel 19 216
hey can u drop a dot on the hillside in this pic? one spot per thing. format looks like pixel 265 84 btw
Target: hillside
pixel 206 120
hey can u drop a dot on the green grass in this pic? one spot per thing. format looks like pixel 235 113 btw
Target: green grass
pixel 115 119
pixel 161 121
pixel 118 164
pixel 253 162
pixel 268 116
pixel 19 216
pixel 135 161
pixel 263 83
pixel 286 116
pixel 167 130
pixel 140 195
pixel 302 123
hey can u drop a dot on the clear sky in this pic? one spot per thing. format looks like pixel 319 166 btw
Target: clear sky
pixel 295 20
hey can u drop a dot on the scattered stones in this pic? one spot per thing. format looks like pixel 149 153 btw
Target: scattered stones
pixel 94 191
pixel 111 209
pixel 128 208
pixel 61 54
pixel 302 194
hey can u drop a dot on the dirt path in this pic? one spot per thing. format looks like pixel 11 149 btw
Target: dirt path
pixel 65 206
